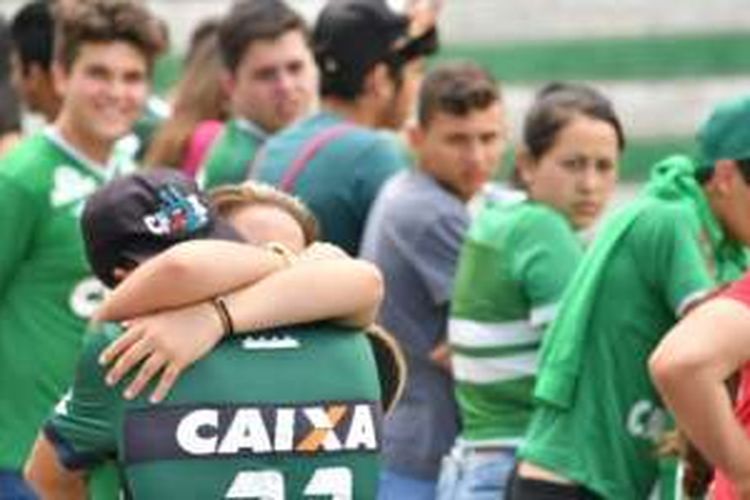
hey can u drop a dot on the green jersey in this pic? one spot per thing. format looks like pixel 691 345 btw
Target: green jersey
pixel 295 414
pixel 229 158
pixel 340 181
pixel 599 418
pixel 514 264
pixel 47 292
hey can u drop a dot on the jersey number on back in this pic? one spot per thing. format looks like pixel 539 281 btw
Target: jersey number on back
pixel 335 482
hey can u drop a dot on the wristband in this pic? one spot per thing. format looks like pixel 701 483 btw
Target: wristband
pixel 226 320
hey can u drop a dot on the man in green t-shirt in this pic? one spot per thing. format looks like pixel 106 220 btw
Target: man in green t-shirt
pixel 33 34
pixel 272 81
pixel 103 59
pixel 599 419
pixel 291 427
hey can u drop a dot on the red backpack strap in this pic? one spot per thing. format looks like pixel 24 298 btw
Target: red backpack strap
pixel 308 151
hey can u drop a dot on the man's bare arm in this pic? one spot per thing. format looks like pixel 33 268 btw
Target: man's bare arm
pixel 188 273
pixel 690 368
pixel 49 478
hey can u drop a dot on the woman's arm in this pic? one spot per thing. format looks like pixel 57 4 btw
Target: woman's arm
pixel 317 287
pixel 187 273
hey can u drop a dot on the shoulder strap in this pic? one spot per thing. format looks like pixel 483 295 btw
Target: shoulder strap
pixel 308 151
pixel 253 165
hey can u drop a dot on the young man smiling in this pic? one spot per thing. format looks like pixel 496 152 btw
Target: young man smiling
pixel 102 61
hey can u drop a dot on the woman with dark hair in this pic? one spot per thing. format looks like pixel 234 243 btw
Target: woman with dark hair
pixel 598 420
pixel 515 263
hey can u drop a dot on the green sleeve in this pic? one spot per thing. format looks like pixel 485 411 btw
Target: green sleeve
pixel 19 212
pixel 672 255
pixel 229 158
pixel 212 167
pixel 546 253
pixel 82 426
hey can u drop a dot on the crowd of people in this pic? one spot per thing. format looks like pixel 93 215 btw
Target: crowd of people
pixel 296 276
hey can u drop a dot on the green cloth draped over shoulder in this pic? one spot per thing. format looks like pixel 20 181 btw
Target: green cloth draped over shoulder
pixel 671 179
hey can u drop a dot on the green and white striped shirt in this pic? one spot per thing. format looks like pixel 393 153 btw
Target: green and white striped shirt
pixel 514 265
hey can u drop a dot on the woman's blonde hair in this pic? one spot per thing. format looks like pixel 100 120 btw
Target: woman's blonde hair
pixel 199 96
pixel 227 199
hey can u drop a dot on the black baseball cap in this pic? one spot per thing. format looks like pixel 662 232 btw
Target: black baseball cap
pixel 142 214
pixel 351 36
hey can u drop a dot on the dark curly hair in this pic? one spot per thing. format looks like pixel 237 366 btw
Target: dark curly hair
pixel 106 21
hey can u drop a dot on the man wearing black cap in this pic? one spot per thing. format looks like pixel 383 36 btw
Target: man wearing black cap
pixel 371 63
pixel 265 416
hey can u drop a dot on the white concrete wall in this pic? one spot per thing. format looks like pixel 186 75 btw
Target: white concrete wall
pixel 483 20
pixel 647 109
pixel 474 20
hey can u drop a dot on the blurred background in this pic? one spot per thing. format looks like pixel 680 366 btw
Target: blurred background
pixel 664 64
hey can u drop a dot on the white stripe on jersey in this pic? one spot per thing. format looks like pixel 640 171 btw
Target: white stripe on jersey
pixel 478 370
pixel 543 315
pixel 475 334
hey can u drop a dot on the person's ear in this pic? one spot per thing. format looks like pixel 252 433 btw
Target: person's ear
pixel 228 82
pixel 34 75
pixel 724 176
pixel 415 134
pixel 525 166
pixel 378 82
pixel 60 76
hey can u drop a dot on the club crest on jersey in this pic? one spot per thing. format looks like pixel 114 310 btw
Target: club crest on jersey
pixel 70 185
pixel 179 214
pixel 211 431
